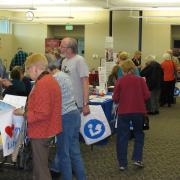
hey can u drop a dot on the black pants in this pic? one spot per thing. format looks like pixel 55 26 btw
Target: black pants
pixel 167 92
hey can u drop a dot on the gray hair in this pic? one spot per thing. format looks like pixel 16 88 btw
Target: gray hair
pixel 72 43
pixel 166 56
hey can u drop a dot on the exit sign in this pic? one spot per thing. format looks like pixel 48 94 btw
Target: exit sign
pixel 69 27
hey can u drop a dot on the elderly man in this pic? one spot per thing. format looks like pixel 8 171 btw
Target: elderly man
pixel 43 113
pixel 74 65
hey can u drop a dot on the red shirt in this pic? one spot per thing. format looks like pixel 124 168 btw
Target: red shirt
pixel 44 108
pixel 131 92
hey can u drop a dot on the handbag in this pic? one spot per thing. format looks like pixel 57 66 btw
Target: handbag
pixel 146 122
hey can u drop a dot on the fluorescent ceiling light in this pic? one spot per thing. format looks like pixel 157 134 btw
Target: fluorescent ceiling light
pixel 146 17
pixel 152 8
pixel 72 9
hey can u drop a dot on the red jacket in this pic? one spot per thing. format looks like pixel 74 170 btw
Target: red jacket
pixel 44 108
pixel 131 92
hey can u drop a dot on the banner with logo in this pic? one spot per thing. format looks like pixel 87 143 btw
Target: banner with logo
pixel 10 126
pixel 94 126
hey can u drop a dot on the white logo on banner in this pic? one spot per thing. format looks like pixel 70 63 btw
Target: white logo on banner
pixel 95 126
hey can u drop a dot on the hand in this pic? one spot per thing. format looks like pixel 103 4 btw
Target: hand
pixel 6 82
pixel 86 110
pixel 18 112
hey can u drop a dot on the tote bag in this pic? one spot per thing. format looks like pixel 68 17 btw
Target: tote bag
pixel 94 126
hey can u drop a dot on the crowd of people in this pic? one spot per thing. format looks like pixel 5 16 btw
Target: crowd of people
pixel 60 94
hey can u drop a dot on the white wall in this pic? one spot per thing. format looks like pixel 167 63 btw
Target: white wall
pixel 31 37
pixel 125 32
pixel 6 48
pixel 95 43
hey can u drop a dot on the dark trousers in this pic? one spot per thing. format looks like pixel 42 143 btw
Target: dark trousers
pixel 40 153
pixel 167 92
pixel 123 131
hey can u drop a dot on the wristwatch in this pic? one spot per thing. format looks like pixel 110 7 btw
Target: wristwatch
pixel 85 104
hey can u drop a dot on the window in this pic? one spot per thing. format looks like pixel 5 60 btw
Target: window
pixel 4 26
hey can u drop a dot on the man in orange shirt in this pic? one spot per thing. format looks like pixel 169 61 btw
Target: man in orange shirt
pixel 43 113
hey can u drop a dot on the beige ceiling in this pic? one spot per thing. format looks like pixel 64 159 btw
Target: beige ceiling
pixel 112 4
pixel 54 11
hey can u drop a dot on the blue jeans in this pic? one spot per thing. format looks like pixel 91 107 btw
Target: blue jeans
pixel 123 132
pixel 68 156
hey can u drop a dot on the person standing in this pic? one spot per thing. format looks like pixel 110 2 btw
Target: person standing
pixel 68 155
pixel 74 65
pixel 137 59
pixel 19 58
pixel 167 93
pixel 130 93
pixel 43 113
pixel 154 78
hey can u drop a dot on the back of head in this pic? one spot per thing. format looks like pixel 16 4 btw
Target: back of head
pixel 38 60
pixel 166 56
pixel 149 59
pixel 137 53
pixel 123 56
pixel 128 67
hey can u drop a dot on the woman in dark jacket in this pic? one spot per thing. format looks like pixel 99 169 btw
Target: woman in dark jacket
pixel 154 77
pixel 17 88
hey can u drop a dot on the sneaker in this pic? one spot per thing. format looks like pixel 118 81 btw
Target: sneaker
pixel 122 168
pixel 138 164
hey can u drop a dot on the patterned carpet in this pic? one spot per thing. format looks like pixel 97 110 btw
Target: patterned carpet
pixel 161 154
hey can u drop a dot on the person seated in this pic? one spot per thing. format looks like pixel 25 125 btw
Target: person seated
pixel 17 88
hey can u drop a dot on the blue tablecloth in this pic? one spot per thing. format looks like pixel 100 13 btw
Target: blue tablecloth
pixel 106 106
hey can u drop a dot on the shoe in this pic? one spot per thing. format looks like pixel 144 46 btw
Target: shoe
pixel 138 164
pixel 151 113
pixel 55 174
pixel 122 168
pixel 169 105
pixel 156 112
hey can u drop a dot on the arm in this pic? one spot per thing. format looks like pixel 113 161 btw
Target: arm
pixel 116 92
pixel 39 104
pixel 146 91
pixel 85 82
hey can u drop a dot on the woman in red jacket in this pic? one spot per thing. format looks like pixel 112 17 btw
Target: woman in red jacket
pixel 130 93
pixel 43 113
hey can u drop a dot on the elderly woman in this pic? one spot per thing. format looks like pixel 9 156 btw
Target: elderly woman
pixel 130 93
pixel 154 77
pixel 43 113
pixel 122 57
pixel 169 68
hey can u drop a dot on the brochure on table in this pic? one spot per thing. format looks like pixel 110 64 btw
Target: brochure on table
pixel 10 125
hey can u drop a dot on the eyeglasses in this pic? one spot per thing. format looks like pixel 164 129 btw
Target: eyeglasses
pixel 64 46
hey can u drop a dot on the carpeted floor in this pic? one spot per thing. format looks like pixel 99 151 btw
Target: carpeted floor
pixel 161 154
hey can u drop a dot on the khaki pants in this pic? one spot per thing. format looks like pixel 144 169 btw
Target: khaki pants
pixel 40 153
